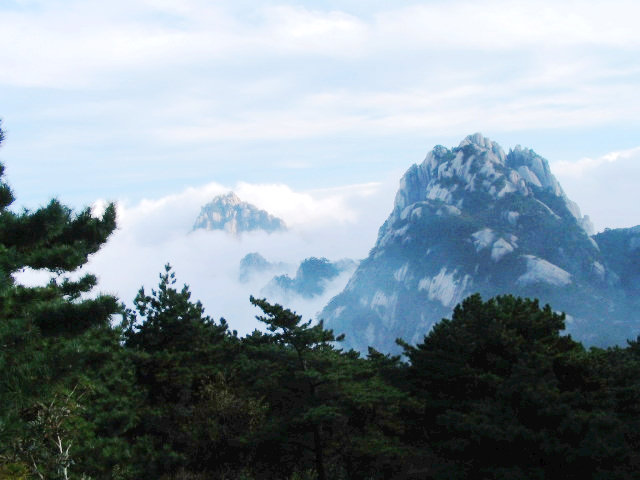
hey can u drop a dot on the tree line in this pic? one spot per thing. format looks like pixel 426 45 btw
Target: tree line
pixel 497 391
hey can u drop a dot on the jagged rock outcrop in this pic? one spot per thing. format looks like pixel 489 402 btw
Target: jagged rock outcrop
pixel 474 219
pixel 229 213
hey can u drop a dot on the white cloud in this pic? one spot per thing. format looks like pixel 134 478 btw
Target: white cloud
pixel 504 25
pixel 508 105
pixel 586 165
pixel 86 44
pixel 153 78
pixel 605 188
pixel 298 30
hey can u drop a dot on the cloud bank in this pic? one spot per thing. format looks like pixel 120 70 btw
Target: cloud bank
pixel 335 223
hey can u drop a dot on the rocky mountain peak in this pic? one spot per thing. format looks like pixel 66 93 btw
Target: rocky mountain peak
pixel 533 169
pixel 474 219
pixel 482 143
pixel 227 212
pixel 230 199
pixel 478 173
pixel 476 164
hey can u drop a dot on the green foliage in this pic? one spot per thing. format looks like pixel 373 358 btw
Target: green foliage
pixel 506 396
pixel 329 411
pixel 167 320
pixel 14 471
pixel 37 324
pixel 190 415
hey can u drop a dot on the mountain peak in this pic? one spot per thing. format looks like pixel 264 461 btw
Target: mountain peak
pixel 230 199
pixel 477 174
pixel 478 140
pixel 474 219
pixel 227 212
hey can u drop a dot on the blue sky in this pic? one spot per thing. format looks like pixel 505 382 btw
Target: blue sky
pixel 312 110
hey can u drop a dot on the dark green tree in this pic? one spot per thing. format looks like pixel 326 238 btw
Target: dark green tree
pixel 329 411
pixel 37 392
pixel 505 395
pixel 302 353
pixel 181 358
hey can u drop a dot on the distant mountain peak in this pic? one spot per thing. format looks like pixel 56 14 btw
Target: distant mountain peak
pixel 230 199
pixel 482 142
pixel 229 213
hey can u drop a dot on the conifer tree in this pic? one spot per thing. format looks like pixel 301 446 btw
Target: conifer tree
pixel 329 410
pixel 505 395
pixel 307 363
pixel 178 353
pixel 36 321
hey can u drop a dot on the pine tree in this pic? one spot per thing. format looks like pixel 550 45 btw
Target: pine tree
pixel 305 361
pixel 505 395
pixel 36 321
pixel 329 410
pixel 178 353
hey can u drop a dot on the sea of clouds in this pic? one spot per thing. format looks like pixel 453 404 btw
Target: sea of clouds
pixel 334 223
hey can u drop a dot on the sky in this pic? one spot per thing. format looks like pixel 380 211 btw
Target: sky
pixel 311 110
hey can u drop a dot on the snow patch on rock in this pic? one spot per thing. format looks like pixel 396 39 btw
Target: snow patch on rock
pixel 546 207
pixel 512 218
pixel 338 311
pixel 370 334
pixel 385 306
pixel 438 192
pixel 529 176
pixel 598 269
pixel 448 210
pixel 391 234
pixel 379 299
pixel 405 212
